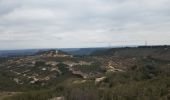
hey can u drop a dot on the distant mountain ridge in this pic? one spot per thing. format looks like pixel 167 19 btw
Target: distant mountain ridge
pixel 9 53
pixel 72 51
pixel 157 52
pixel 76 51
pixel 84 51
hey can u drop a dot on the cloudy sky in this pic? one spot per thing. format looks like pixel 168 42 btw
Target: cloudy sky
pixel 83 23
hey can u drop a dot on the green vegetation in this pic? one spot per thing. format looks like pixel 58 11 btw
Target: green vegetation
pixel 7 84
pixel 63 68
pixel 92 68
pixel 125 73
pixel 39 63
pixel 147 81
pixel 40 95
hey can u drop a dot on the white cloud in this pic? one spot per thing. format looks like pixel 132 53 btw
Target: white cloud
pixel 68 23
pixel 30 14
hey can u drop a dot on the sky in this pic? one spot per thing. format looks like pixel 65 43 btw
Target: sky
pixel 28 24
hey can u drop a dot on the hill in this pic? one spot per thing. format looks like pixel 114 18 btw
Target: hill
pixel 135 73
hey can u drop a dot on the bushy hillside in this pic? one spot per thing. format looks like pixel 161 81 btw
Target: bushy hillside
pixel 158 52
pixel 141 73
